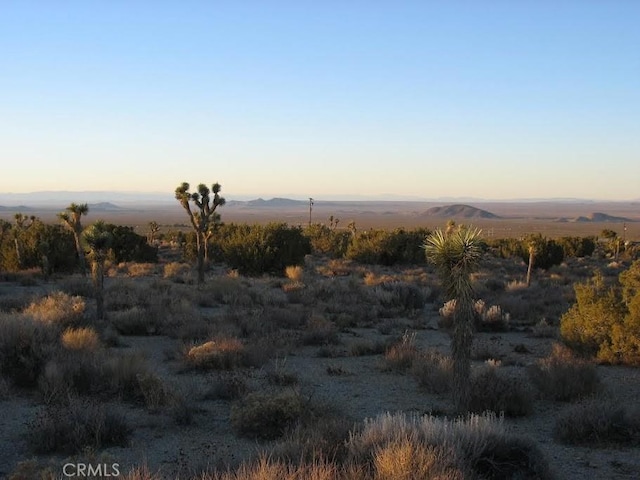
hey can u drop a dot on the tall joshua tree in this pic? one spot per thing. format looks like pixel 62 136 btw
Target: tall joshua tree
pixel 456 255
pixel 23 223
pixel 71 218
pixel 203 218
pixel 98 240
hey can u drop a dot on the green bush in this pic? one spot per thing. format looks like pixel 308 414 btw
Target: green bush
pixel 381 247
pixel 548 252
pixel 577 246
pixel 128 246
pixel 605 319
pixel 328 241
pixel 258 249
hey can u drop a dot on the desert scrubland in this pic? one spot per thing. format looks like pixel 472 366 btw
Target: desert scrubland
pixel 322 351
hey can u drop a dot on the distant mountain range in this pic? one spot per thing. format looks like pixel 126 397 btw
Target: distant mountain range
pixel 261 203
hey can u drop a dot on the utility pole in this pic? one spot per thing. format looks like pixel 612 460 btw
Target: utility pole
pixel 310 208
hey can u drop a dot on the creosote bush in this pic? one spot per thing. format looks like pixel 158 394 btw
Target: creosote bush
pixel 78 425
pixel 563 376
pixel 267 415
pixel 598 422
pixel 494 391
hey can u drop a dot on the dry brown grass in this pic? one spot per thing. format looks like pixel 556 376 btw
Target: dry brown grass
pixel 220 354
pixel 401 355
pixel 563 376
pixel 294 273
pixel 85 338
pixel 57 308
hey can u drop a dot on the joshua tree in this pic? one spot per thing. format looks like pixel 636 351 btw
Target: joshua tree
pixel 204 217
pixel 456 256
pixel 153 229
pixel 533 248
pixel 23 223
pixel 98 239
pixel 71 218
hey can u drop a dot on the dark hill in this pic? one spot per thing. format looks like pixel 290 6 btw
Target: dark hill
pixel 458 211
pixel 601 217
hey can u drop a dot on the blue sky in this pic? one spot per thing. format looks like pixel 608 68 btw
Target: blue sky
pixel 492 99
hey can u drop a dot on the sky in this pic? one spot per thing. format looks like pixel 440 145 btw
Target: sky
pixel 486 98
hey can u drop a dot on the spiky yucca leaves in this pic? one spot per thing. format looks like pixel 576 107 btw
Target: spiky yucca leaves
pixel 98 240
pixel 204 218
pixel 456 254
pixel 71 218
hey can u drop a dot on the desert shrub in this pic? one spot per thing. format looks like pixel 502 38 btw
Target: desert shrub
pixel 472 447
pixel 405 296
pixel 320 331
pixel 219 354
pixel 388 248
pixel 577 246
pixel 280 375
pixel 548 252
pixel 598 422
pixel 25 347
pixel 267 415
pixel 258 249
pixel 77 286
pixel 80 339
pixel 543 329
pixel 177 271
pixel 490 319
pixel 563 376
pixel 140 269
pixel 57 308
pixel 328 241
pixel 368 347
pixel 76 426
pixel 401 355
pixel 135 321
pixel 492 390
pixel 128 246
pixel 434 371
pixel 294 273
pixel 227 387
pixel 605 319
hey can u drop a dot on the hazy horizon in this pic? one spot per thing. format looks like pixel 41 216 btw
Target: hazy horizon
pixel 484 100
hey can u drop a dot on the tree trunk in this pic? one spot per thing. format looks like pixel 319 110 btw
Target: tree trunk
pixel 97 273
pixel 200 238
pixel 530 268
pixel 461 352
pixel 18 253
pixel 81 259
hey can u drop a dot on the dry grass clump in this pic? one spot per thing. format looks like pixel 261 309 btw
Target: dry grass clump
pixel 598 422
pixel 543 329
pixel 563 376
pixel 267 415
pixel 434 371
pixel 134 269
pixel 57 308
pixel 80 339
pixel 177 272
pixel 491 319
pixel 401 355
pixel 393 446
pixel 492 390
pixel 294 273
pixel 223 353
pixel 135 321
pixel 25 347
pixel 320 331
pixel 76 426
pixel 368 347
pixel 280 375
pixel 15 303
